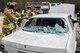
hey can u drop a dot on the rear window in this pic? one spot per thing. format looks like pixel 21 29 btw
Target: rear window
pixel 46 25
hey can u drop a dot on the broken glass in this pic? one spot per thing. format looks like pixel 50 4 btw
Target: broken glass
pixel 46 25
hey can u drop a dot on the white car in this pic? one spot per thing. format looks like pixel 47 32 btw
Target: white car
pixel 46 33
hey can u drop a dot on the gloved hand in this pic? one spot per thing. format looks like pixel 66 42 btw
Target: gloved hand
pixel 19 22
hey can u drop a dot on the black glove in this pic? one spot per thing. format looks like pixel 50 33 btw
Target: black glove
pixel 19 22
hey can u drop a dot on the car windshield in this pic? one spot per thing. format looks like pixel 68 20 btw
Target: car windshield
pixel 46 25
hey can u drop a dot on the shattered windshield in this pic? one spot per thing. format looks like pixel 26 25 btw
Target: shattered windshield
pixel 46 25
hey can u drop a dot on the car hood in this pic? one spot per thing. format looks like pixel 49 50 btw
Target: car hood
pixel 23 39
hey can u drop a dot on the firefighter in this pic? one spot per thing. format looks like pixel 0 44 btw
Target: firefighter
pixel 34 12
pixel 30 13
pixel 10 18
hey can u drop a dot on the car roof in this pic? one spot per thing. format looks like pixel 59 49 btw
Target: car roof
pixel 53 15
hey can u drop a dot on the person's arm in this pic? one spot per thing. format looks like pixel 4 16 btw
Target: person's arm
pixel 17 14
pixel 8 13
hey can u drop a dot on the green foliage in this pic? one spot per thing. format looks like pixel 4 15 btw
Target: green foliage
pixel 63 1
pixel 21 2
